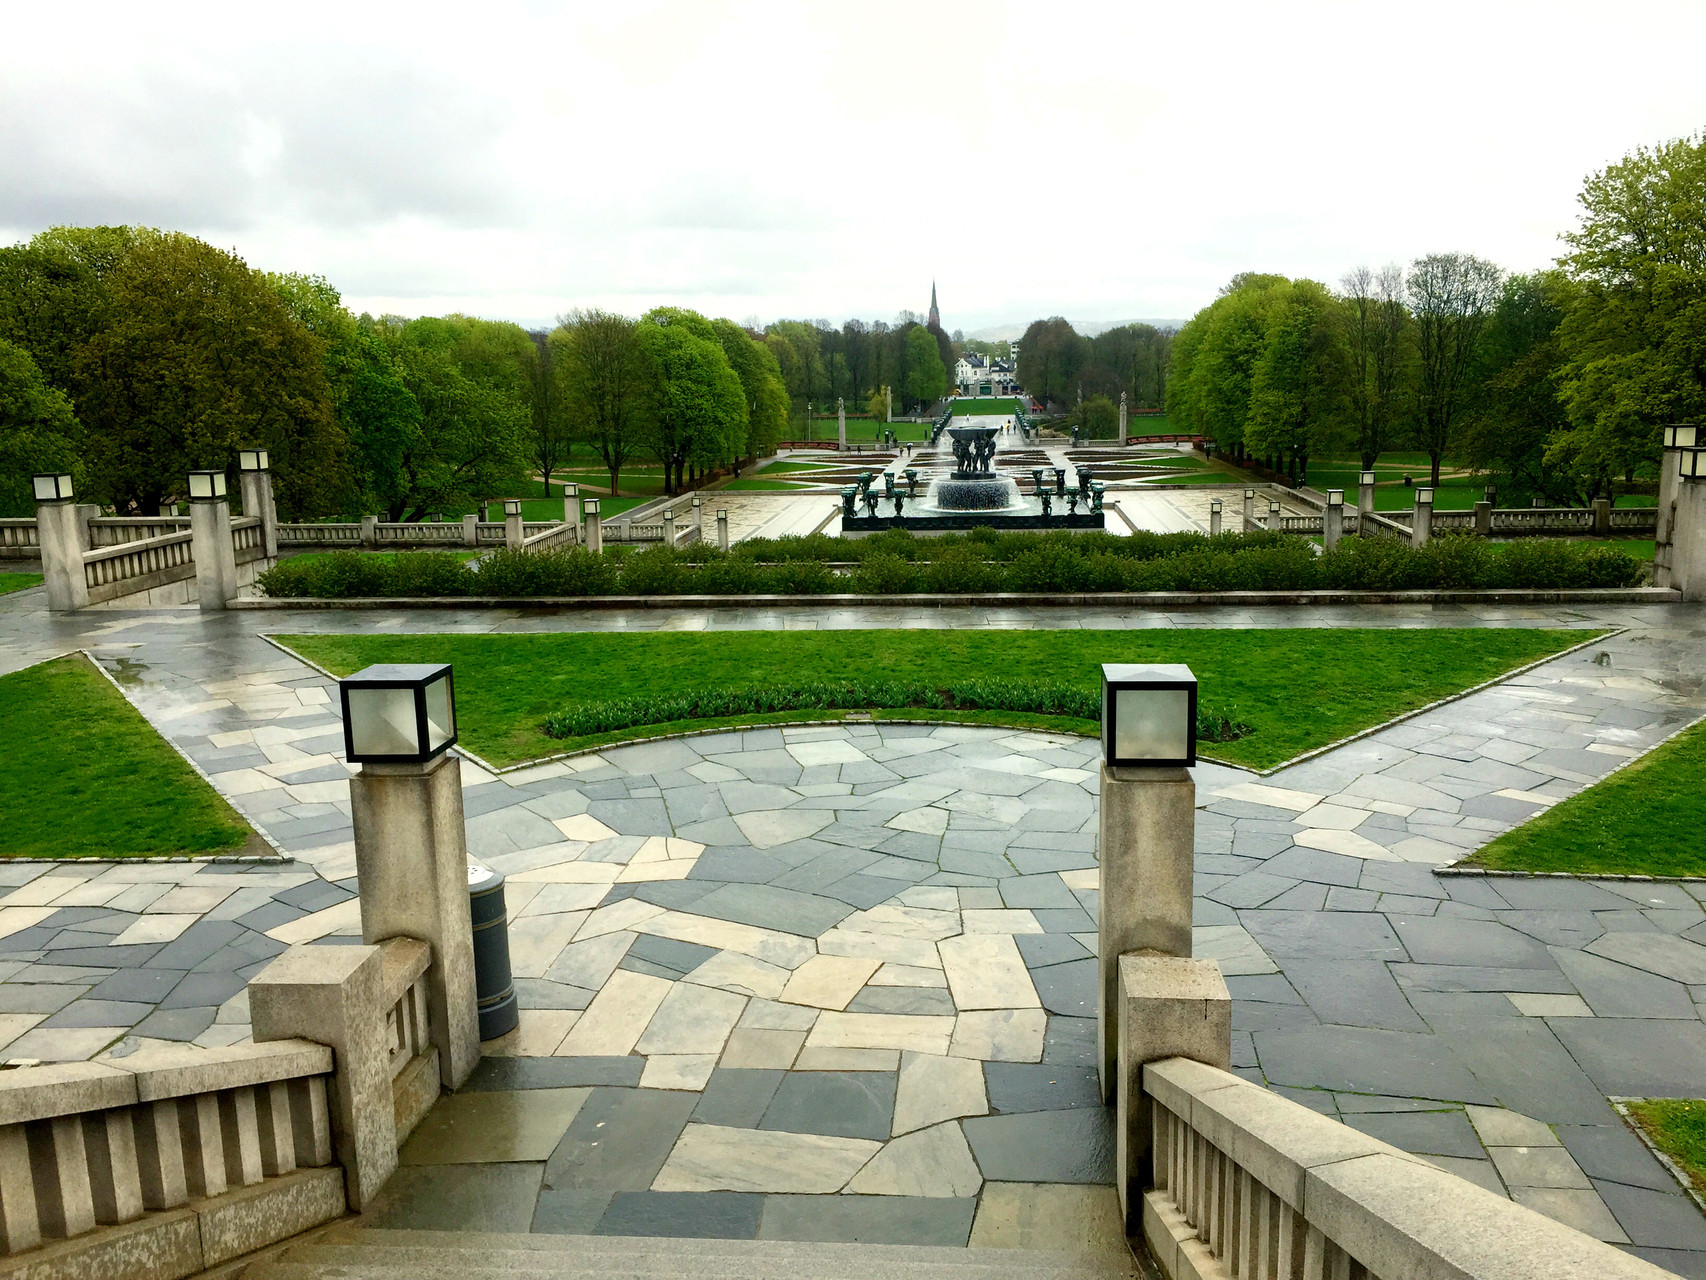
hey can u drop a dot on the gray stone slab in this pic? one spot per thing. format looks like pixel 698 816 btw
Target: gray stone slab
pixel 99 1013
pixel 736 1098
pixel 542 993
pixel 1042 949
pixel 632 817
pixel 503 1074
pixel 1068 989
pixel 199 989
pixel 1666 1219
pixel 1323 935
pixel 930 1001
pixel 1443 940
pixel 619 1140
pixel 1044 1146
pixel 1638 1058
pixel 1452 977
pixel 1610 1152
pixel 843 1104
pixel 1353 993
pixel 1362 1060
pixel 176 1024
pixel 457 1197
pixel 1615 990
pixel 678 958
pixel 51 997
pixel 1521 1062
pixel 770 907
pixel 574 1213
pixel 1036 891
pixel 1028 1086
pixel 1423 1133
pixel 914 1220
pixel 704 1215
pixel 1070 1042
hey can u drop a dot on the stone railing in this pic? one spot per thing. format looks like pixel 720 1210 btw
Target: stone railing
pixel 1246 1183
pixel 113 531
pixel 166 1162
pixel 552 535
pixel 410 1053
pixel 1635 519
pixel 19 540
pixel 248 539
pixel 322 535
pixel 126 568
pixel 1510 520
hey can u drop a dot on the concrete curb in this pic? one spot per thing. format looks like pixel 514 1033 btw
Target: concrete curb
pixel 1071 600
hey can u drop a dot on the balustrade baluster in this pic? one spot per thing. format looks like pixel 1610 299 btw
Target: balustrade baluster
pixel 204 1149
pixel 160 1154
pixel 115 1180
pixel 311 1121
pixel 20 1224
pixel 272 1116
pixel 239 1127
pixel 64 1203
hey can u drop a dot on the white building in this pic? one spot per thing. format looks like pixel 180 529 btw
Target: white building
pixel 977 375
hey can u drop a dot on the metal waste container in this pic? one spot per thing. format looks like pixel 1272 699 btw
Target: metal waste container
pixel 493 989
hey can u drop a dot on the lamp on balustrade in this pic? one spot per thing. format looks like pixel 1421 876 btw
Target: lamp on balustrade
pixel 1273 508
pixel 1679 436
pixel 1214 507
pixel 1424 496
pixel 252 460
pixel 398 713
pixel 207 486
pixel 1249 495
pixel 1692 463
pixel 1149 716
pixel 53 488
pixel 1335 497
pixel 592 507
pixel 512 507
pixel 1367 477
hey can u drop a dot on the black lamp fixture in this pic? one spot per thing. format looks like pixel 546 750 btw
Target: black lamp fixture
pixel 1214 505
pixel 512 508
pixel 53 488
pixel 1335 497
pixel 1366 479
pixel 252 460
pixel 1149 716
pixel 1678 436
pixel 592 508
pixel 207 486
pixel 1424 496
pixel 398 713
pixel 1692 463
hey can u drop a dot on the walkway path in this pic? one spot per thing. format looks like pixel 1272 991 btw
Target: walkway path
pixel 760 968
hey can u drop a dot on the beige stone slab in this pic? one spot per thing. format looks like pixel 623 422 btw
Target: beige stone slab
pixel 1499 1127
pixel 537 1036
pixel 1000 1035
pixel 731 971
pixel 345 917
pixel 14 919
pixel 13 1025
pixel 1274 797
pixel 154 928
pixel 1053 1217
pixel 932 1089
pixel 536 941
pixel 42 890
pixel 678 1071
pixel 811 1059
pixel 1422 849
pixel 547 899
pixel 1547 1166
pixel 96 893
pixel 627 914
pixel 931 1162
pixel 1086 878
pixel 1233 948
pixel 1528 797
pixel 1348 843
pixel 828 982
pixel 925 1033
pixel 772 1015
pixel 986 971
pixel 692 1020
pixel 826 751
pixel 332 792
pixel 914 952
pixel 573 872
pixel 928 821
pixel 645 872
pixel 247 782
pixel 784 949
pixel 1583 1210
pixel 906 975
pixel 758 1049
pixel 195 899
pixel 714 1158
pixel 1612 749
pixel 617 1016
pixel 1000 920
pixel 767 828
pixel 1334 817
pixel 583 826
pixel 63 1044
pixel 931 897
pixel 1536 1005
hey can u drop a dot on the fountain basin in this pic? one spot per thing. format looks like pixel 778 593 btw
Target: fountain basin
pixel 979 493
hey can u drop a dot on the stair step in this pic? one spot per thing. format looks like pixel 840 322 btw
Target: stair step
pixel 376 1254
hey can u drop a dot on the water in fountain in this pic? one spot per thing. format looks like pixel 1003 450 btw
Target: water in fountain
pixel 973 485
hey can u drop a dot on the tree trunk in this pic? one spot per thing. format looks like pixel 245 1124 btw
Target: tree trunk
pixel 615 473
pixel 1434 476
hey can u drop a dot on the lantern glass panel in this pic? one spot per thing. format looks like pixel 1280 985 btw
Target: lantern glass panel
pixel 1152 724
pixel 52 488
pixel 440 716
pixel 1681 437
pixel 592 506
pixel 512 506
pixel 1335 497
pixel 382 722
pixel 1693 464
pixel 1367 477
pixel 1424 496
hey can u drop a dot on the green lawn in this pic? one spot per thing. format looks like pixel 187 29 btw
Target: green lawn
pixel 1298 689
pixel 761 485
pixel 986 406
pixel 860 429
pixel 777 468
pixel 1149 424
pixel 84 775
pixel 10 582
pixel 1677 1127
pixel 1643 820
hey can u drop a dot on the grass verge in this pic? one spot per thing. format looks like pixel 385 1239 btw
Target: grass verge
pixel 1294 691
pixel 1677 1127
pixel 10 582
pixel 84 775
pixel 1642 820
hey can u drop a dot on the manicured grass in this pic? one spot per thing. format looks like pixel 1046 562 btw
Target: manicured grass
pixel 861 429
pixel 1643 820
pixel 1196 477
pixel 84 775
pixel 760 485
pixel 1677 1127
pixel 1149 424
pixel 10 582
pixel 1297 689
pixel 777 468
pixel 986 406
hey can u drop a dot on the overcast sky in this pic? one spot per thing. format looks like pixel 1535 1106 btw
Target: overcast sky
pixel 806 159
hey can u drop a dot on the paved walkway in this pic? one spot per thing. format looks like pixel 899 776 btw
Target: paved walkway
pixel 762 969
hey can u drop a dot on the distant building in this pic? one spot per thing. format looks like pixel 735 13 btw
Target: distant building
pixel 977 375
pixel 935 321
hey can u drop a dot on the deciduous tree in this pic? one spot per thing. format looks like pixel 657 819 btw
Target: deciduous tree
pixel 1451 295
pixel 38 430
pixel 606 377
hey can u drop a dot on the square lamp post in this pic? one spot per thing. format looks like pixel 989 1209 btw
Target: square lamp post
pixel 411 843
pixel 1273 513
pixel 1333 519
pixel 252 460
pixel 594 528
pixel 62 536
pixel 1249 510
pixel 1147 827
pixel 1421 524
pixel 514 534
pixel 1214 518
pixel 723 529
pixel 254 475
pixel 53 488
pixel 210 541
pixel 1365 495
pixel 207 486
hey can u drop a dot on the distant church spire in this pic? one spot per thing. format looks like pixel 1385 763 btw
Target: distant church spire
pixel 935 315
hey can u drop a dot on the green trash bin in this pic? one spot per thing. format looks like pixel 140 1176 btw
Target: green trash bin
pixel 494 990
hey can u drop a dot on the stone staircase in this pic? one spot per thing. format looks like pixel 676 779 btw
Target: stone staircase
pixel 349 1252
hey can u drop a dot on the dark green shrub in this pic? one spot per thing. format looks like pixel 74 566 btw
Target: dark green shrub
pixel 1455 561
pixel 884 575
pixel 1049 566
pixel 803 578
pixel 963 573
pixel 729 576
pixel 424 574
pixel 656 571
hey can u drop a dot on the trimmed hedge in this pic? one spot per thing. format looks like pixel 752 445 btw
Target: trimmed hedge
pixel 1038 697
pixel 897 563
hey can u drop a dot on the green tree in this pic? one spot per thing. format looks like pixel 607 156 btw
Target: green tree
pixel 1452 295
pixel 1052 355
pixel 198 358
pixel 761 384
pixel 1299 381
pixel 925 380
pixel 606 381
pixel 698 406
pixel 38 430
pixel 1633 339
pixel 56 294
pixel 1098 418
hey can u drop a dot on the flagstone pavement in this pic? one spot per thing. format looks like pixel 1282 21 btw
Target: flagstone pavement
pixel 837 982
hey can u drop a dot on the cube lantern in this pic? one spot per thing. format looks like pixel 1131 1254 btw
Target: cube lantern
pixel 207 486
pixel 1679 436
pixel 1149 716
pixel 252 460
pixel 398 713
pixel 53 488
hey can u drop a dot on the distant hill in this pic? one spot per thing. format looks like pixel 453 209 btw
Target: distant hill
pixel 1013 332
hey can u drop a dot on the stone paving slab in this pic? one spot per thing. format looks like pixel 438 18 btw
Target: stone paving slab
pixel 847 906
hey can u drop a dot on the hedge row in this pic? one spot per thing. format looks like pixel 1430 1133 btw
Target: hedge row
pixel 1048 564
pixel 1037 697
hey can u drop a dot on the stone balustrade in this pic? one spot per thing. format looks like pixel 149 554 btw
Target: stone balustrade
pixel 19 540
pixel 165 1162
pixel 1246 1183
pixel 112 531
pixel 142 564
pixel 248 539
